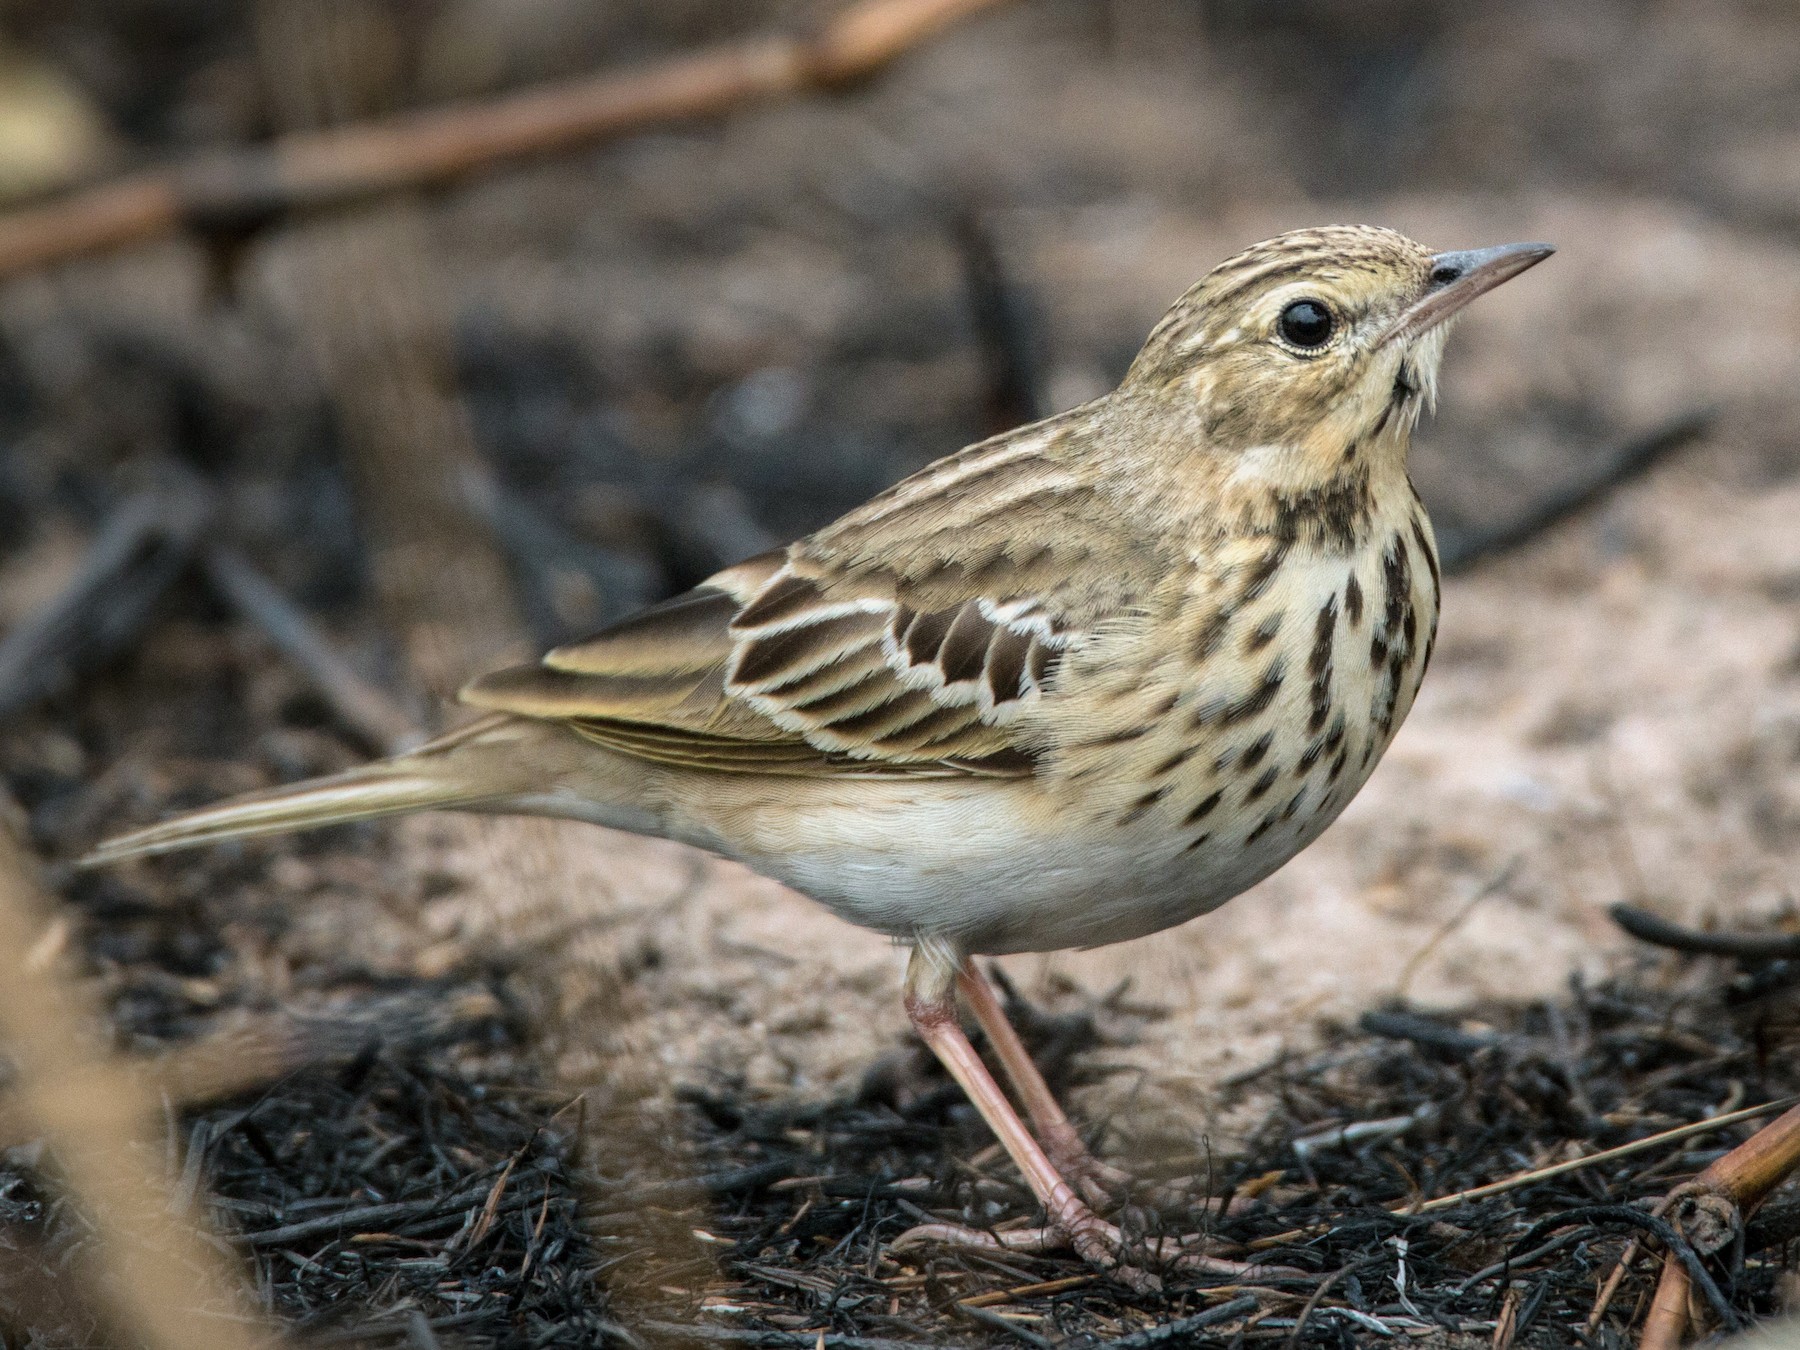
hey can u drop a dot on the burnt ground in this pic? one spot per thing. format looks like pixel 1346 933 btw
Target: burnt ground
pixel 421 1188
pixel 552 1087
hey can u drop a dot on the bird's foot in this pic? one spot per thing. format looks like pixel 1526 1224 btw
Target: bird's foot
pixel 1101 1244
pixel 1100 1184
pixel 1106 1187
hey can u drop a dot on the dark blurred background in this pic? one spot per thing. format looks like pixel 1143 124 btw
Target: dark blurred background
pixel 681 346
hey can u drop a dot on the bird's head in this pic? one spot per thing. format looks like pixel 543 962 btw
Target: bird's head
pixel 1318 349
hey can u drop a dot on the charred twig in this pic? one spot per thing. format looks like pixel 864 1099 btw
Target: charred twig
pixel 1680 1249
pixel 993 1321
pixel 1537 1174
pixel 1461 550
pixel 140 549
pixel 1177 1332
pixel 363 709
pixel 1425 1031
pixel 230 193
pixel 781 1340
pixel 365 1217
pixel 1648 927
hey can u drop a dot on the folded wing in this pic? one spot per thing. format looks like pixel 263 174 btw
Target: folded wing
pixel 911 637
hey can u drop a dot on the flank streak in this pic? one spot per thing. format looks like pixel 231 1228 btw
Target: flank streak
pixel 1318 665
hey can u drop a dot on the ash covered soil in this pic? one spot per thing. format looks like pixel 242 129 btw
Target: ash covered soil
pixel 607 1087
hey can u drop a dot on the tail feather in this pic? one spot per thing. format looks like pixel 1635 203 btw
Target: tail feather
pixel 450 772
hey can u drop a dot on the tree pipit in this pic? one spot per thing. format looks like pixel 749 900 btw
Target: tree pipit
pixel 1071 685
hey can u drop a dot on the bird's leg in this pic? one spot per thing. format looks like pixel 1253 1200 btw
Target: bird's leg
pixel 1097 1182
pixel 931 979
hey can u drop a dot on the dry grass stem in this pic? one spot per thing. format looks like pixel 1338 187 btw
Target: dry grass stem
pixel 230 190
pixel 153 1277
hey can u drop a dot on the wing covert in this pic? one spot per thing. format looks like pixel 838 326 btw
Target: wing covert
pixel 912 636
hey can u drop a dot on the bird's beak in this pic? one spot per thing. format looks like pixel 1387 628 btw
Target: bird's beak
pixel 1457 278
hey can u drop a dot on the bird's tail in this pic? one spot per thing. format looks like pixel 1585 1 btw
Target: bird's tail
pixel 475 766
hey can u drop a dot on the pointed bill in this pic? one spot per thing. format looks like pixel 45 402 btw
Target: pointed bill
pixel 1459 277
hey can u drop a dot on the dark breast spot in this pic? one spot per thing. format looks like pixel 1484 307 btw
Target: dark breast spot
pixel 1259 788
pixel 1142 805
pixel 1252 703
pixel 1396 574
pixel 1263 634
pixel 1258 748
pixel 1211 634
pixel 1336 738
pixel 1174 761
pixel 1353 600
pixel 1324 628
pixel 1257 579
pixel 1202 809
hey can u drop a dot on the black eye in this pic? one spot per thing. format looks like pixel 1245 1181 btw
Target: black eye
pixel 1306 323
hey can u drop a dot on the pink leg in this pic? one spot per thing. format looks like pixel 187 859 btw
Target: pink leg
pixel 930 979
pixel 1061 1140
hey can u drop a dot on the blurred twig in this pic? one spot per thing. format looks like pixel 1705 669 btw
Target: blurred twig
pixel 379 721
pixel 1461 550
pixel 138 551
pixel 229 193
pixel 161 1285
pixel 1005 323
pixel 1651 928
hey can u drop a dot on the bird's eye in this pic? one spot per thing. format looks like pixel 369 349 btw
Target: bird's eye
pixel 1306 323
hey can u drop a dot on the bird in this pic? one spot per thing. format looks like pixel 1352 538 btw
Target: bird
pixel 1072 685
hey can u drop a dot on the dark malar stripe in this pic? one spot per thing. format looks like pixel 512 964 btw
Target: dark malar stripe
pixel 1430 553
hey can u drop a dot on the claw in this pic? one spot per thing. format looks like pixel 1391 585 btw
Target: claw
pixel 1101 1244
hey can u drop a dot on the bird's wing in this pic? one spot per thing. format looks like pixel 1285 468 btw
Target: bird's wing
pixel 910 637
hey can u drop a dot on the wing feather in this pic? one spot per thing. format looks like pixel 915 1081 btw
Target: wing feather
pixel 911 637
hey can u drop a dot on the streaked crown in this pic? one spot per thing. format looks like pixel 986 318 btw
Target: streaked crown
pixel 1316 342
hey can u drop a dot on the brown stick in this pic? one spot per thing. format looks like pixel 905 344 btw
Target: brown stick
pixel 1723 1195
pixel 1666 1325
pixel 236 190
pixel 159 1284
